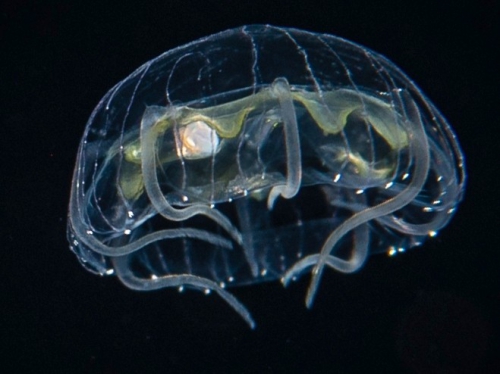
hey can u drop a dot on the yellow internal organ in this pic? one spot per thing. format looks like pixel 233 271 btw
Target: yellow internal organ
pixel 133 152
pixel 366 169
pixel 131 183
pixel 331 109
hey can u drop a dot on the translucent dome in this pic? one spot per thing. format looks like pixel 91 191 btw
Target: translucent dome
pixel 256 154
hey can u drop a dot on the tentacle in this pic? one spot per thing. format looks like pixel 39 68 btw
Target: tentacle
pixel 131 281
pixel 361 248
pixel 158 200
pixel 418 147
pixel 281 90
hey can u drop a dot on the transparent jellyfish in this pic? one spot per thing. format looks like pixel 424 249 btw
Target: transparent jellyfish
pixel 258 154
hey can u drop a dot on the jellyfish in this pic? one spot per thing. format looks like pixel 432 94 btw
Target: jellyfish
pixel 256 154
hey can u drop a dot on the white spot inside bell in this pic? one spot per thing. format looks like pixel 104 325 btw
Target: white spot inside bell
pixel 389 185
pixel 337 178
pixel 180 289
pixel 432 233
pixel 222 285
pixel 127 232
pixel 109 271
pixel 405 176
pixel 185 198
pixel 263 272
pixel 154 277
pixel 206 291
pixel 89 232
pixel 359 192
pixel 230 279
pixel 130 214
pixel 392 251
pixel 198 140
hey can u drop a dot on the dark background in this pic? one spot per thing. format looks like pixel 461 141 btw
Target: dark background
pixel 433 309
